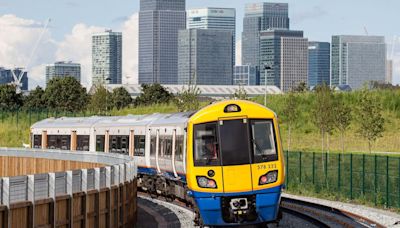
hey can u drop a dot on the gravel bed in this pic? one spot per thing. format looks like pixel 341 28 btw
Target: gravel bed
pixel 386 218
pixel 184 215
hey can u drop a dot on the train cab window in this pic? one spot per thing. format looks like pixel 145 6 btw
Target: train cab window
pixel 37 141
pixel 235 146
pixel 179 148
pixel 119 144
pixel 264 147
pixel 153 146
pixel 206 147
pixel 82 143
pixel 100 140
pixel 61 142
pixel 139 142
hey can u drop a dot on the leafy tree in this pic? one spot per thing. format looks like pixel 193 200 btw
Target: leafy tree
pixel 290 113
pixel 35 99
pixel 121 98
pixel 101 101
pixel 371 121
pixel 9 98
pixel 188 99
pixel 301 88
pixel 240 94
pixel 322 111
pixel 342 118
pixel 65 94
pixel 153 94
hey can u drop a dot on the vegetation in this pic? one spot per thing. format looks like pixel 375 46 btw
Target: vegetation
pixel 9 99
pixel 153 94
pixel 290 114
pixel 188 99
pixel 101 101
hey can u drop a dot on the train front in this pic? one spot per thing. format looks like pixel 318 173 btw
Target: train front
pixel 235 168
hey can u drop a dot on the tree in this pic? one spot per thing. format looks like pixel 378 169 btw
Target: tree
pixel 66 94
pixel 301 88
pixel 342 118
pixel 370 119
pixel 101 101
pixel 188 99
pixel 121 98
pixel 290 113
pixel 240 94
pixel 9 98
pixel 322 111
pixel 153 94
pixel 35 99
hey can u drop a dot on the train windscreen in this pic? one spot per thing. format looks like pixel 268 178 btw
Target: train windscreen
pixel 206 146
pixel 263 140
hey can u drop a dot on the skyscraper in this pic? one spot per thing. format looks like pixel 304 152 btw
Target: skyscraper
pixel 107 58
pixel 159 24
pixel 205 57
pixel 63 69
pixel 214 18
pixel 356 60
pixel 6 77
pixel 389 71
pixel 259 17
pixel 245 75
pixel 283 58
pixel 319 61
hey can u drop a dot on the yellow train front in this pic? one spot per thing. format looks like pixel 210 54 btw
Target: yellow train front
pixel 235 170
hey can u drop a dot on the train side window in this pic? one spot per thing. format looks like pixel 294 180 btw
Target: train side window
pixel 166 146
pixel 119 144
pixel 100 140
pixel 37 141
pixel 82 143
pixel 153 146
pixel 61 142
pixel 140 143
pixel 206 146
pixel 179 148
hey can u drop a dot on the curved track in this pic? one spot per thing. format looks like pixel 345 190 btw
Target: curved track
pixel 297 213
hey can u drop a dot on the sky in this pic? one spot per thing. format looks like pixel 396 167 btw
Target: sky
pixel 68 36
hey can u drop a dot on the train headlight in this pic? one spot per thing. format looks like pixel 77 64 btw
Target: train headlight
pixel 205 182
pixel 270 177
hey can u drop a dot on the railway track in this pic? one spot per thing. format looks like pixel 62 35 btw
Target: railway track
pixel 324 216
pixel 307 213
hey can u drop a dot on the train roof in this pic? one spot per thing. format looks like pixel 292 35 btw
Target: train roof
pixel 156 119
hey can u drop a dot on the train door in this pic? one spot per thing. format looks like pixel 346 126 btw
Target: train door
pixel 235 155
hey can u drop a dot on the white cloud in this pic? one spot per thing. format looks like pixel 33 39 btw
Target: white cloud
pixel 238 52
pixel 18 39
pixel 130 44
pixel 77 47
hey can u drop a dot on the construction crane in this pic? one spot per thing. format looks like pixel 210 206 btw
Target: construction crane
pixel 17 78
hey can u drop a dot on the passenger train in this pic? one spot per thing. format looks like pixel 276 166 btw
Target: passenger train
pixel 225 160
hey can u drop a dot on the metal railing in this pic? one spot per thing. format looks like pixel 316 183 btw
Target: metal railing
pixel 362 177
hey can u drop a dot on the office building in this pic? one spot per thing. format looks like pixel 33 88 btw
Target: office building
pixel 245 75
pixel 389 71
pixel 6 77
pixel 159 24
pixel 214 18
pixel 259 17
pixel 205 57
pixel 63 69
pixel 283 58
pixel 356 60
pixel 319 62
pixel 107 58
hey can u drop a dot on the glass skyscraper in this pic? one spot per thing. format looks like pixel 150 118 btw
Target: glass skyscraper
pixel 159 24
pixel 205 57
pixel 245 75
pixel 6 77
pixel 63 69
pixel 356 60
pixel 107 58
pixel 285 55
pixel 259 17
pixel 214 18
pixel 319 61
